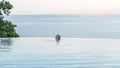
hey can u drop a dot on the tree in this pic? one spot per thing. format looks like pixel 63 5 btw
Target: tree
pixel 7 29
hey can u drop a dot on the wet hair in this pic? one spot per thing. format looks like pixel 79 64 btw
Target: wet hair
pixel 57 37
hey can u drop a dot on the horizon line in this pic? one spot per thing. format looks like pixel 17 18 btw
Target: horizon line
pixel 71 14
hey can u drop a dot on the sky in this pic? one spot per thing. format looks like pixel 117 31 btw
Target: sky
pixel 87 7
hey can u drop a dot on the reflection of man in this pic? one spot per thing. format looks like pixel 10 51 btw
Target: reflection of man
pixel 57 37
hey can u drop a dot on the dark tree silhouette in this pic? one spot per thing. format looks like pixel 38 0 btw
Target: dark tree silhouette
pixel 7 29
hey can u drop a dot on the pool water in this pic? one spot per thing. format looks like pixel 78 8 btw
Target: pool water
pixel 68 53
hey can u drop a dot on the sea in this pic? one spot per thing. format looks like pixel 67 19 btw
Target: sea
pixel 86 42
pixel 74 26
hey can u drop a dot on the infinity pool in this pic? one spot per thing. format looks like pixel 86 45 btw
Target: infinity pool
pixel 68 53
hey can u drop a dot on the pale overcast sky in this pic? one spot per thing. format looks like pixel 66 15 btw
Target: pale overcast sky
pixel 66 6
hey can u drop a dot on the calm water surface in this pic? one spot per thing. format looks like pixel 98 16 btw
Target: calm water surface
pixel 76 26
pixel 68 53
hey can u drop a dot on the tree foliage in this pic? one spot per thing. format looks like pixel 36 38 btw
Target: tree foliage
pixel 7 29
pixel 5 7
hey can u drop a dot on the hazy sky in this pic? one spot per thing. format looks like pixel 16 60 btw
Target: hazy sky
pixel 66 6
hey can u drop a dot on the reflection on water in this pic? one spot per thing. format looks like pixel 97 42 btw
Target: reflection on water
pixel 6 42
pixel 57 42
pixel 5 45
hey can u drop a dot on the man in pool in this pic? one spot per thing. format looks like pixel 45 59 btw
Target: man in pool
pixel 57 37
